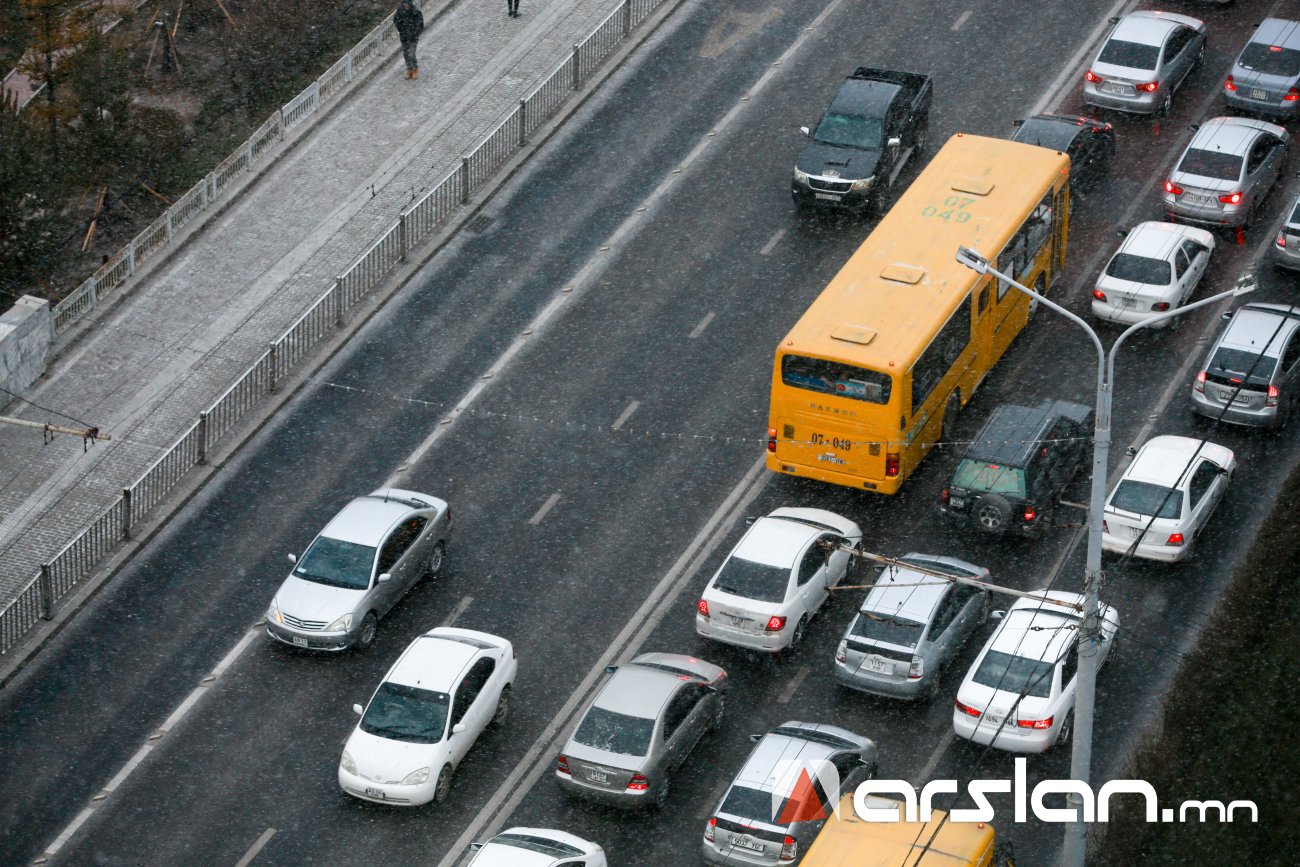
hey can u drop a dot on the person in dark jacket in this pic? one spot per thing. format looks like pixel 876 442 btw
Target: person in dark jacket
pixel 410 24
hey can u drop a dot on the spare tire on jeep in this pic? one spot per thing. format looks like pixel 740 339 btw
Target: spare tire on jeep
pixel 992 512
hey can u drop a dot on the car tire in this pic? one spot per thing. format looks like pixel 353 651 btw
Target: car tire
pixel 443 788
pixel 1166 106
pixel 799 629
pixel 932 691
pixel 1067 731
pixel 662 789
pixel 716 722
pixel 367 632
pixel 880 200
pixel 437 560
pixel 992 513
pixel 503 708
pixel 922 140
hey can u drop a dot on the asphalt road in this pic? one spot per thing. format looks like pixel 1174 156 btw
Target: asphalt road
pixel 675 308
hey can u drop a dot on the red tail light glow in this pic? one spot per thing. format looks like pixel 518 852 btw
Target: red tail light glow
pixel 1092 77
pixel 965 708
pixel 1149 87
pixel 771 439
pixel 891 465
pixel 788 849
pixel 710 830
pixel 1031 515
pixel 944 495
pixel 1231 198
pixel 775 623
pixel 1171 187
pixel 1099 295
pixel 1271 400
pixel 1175 539
pixel 1230 84
pixel 703 607
pixel 1160 306
pixel 638 783
pixel 1199 385
pixel 1281 240
pixel 1035 723
pixel 562 765
pixel 1291 95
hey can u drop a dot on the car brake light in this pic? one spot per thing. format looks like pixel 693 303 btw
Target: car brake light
pixel 1149 87
pixel 775 623
pixel 842 652
pixel 1291 95
pixel 1175 539
pixel 562 765
pixel 1199 384
pixel 1092 77
pixel 771 439
pixel 1160 306
pixel 1171 187
pixel 788 849
pixel 917 670
pixel 1035 723
pixel 1281 240
pixel 1230 84
pixel 965 708
pixel 703 607
pixel 710 832
pixel 891 465
pixel 945 495
pixel 1099 295
pixel 638 783
pixel 1271 400
pixel 1231 198
pixel 1031 514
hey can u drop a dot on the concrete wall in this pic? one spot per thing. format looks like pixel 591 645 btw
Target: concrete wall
pixel 26 335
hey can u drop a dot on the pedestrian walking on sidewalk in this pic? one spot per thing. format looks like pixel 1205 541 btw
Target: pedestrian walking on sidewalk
pixel 512 8
pixel 410 24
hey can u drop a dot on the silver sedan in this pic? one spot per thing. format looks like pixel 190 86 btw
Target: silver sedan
pixel 640 728
pixel 1143 61
pixel 1226 172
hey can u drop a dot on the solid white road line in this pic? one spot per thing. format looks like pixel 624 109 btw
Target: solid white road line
pixel 625 415
pixel 537 761
pixel 257 847
pixel 961 19
pixel 792 686
pixel 704 323
pixel 546 507
pixel 1066 78
pixel 456 612
pixel 772 242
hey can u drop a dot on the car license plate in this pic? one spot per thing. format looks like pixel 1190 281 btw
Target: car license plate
pixel 1117 89
pixel 744 841
pixel 880 664
pixel 374 793
pixel 598 777
pixel 957 502
pixel 828 197
pixel 1135 532
pixel 993 720
pixel 737 622
pixel 1195 199
pixel 1256 93
pixel 299 641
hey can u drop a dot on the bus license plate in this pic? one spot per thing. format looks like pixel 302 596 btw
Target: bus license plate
pixel 828 197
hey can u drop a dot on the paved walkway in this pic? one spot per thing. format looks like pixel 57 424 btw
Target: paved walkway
pixel 145 372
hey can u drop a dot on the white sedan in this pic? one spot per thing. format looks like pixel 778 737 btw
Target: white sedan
pixel 431 706
pixel 1156 269
pixel 1165 497
pixel 537 847
pixel 776 578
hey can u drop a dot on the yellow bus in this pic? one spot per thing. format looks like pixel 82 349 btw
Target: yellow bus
pixel 847 841
pixel 878 368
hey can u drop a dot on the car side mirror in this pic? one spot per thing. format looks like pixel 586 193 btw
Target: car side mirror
pixel 1193 126
pixel 1225 316
pixel 385 576
pixel 474 847
pixel 804 130
pixel 458 728
pixel 879 568
pixel 357 709
pixel 749 520
pixel 610 669
pixel 1223 471
pixel 1114 20
pixel 997 614
pixel 1020 121
pixel 755 738
pixel 894 141
pixel 1130 452
pixel 293 558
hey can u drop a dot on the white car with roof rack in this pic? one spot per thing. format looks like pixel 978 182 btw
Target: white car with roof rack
pixel 444 690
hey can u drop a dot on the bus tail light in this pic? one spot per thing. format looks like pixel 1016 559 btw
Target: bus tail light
pixel 1092 77
pixel 775 623
pixel 771 440
pixel 1199 385
pixel 965 708
pixel 1174 539
pixel 1230 84
pixel 1271 400
pixel 1160 306
pixel 1231 198
pixel 1035 723
pixel 1148 87
pixel 1099 295
pixel 703 607
pixel 891 464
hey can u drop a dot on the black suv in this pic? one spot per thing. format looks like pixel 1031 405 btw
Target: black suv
pixel 1010 479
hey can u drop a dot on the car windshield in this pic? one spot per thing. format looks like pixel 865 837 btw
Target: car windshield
pixel 1134 55
pixel 1211 164
pixel 888 628
pixel 1144 498
pixel 337 563
pixel 757 581
pixel 1270 60
pixel 849 130
pixel 832 377
pixel 1140 269
pixel 407 713
pixel 1008 673
pixel 1242 366
pixel 991 478
pixel 615 732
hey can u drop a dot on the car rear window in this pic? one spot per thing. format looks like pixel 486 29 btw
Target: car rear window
pixel 991 478
pixel 758 581
pixel 887 628
pixel 1145 498
pixel 407 713
pixel 1140 269
pixel 1270 59
pixel 337 563
pixel 1242 366
pixel 1295 214
pixel 759 805
pixel 614 732
pixel 1008 673
pixel 832 377
pixel 1134 55
pixel 850 130
pixel 1211 164
pixel 542 845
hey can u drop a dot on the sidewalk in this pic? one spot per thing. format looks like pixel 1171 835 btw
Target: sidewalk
pixel 144 372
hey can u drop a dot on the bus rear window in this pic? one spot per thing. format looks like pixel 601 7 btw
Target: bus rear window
pixel 833 377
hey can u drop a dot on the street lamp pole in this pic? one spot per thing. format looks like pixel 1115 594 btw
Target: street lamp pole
pixel 1075 847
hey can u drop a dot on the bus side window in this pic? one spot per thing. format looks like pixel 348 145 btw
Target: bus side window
pixel 982 303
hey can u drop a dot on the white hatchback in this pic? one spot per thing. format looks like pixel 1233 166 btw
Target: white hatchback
pixel 1019 692
pixel 1165 497
pixel 537 847
pixel 431 706
pixel 1155 269
pixel 776 578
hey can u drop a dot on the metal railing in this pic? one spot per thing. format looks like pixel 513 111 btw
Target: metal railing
pixel 77 559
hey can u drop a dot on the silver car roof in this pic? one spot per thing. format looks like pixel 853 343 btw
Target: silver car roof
pixel 637 690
